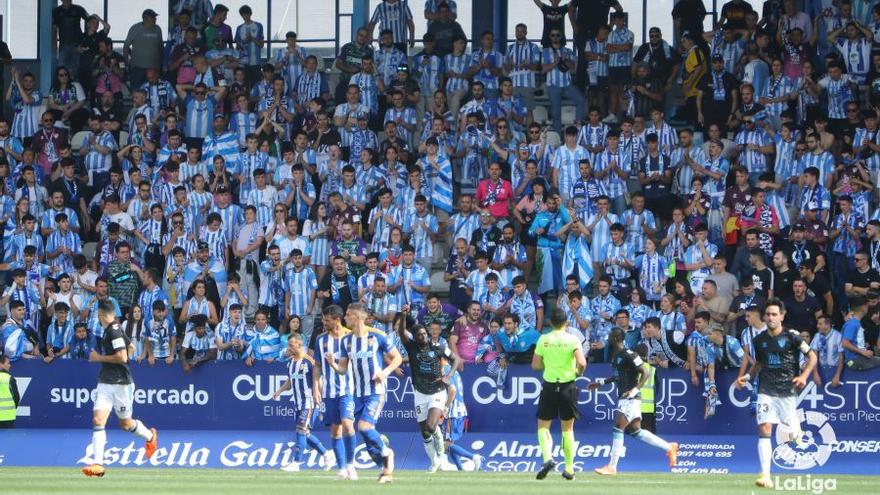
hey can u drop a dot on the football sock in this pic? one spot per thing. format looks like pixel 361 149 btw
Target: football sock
pixel 316 444
pixel 568 450
pixel 99 440
pixel 301 446
pixel 350 445
pixel 461 451
pixel 652 439
pixel 374 441
pixel 545 441
pixel 142 431
pixel 455 459
pixel 616 446
pixel 339 450
pixel 430 450
pixel 439 444
pixel 765 453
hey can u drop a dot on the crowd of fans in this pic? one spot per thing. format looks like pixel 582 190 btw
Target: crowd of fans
pixel 240 193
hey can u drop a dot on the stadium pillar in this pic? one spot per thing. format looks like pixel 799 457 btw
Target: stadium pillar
pixel 360 15
pixel 44 53
pixel 490 16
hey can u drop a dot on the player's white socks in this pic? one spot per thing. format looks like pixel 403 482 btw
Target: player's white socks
pixel 652 440
pixel 430 450
pixel 765 453
pixel 99 440
pixel 142 431
pixel 616 446
pixel 439 444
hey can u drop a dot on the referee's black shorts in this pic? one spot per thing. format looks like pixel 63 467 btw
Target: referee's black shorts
pixel 558 400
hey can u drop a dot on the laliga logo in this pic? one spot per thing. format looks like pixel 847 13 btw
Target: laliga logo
pixel 810 451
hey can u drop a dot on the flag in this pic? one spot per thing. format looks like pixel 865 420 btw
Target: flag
pixel 576 255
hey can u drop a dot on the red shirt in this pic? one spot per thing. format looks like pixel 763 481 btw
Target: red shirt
pixel 495 196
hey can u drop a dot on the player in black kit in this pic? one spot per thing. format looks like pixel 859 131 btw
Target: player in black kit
pixel 115 391
pixel 777 362
pixel 429 386
pixel 630 375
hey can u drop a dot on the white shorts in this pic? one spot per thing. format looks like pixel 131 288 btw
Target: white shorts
pixel 630 408
pixel 777 410
pixel 118 397
pixel 426 402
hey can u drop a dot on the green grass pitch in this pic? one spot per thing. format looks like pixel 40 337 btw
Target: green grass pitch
pixel 152 481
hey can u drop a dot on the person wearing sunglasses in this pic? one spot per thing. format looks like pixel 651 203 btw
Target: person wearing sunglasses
pixel 67 100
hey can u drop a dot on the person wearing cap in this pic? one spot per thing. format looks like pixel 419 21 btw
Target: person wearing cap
pixel 225 60
pixel 290 59
pixel 717 95
pixel 143 48
pixel 396 16
pixel 206 268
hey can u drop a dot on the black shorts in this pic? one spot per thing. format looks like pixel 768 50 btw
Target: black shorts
pixel 619 76
pixel 558 400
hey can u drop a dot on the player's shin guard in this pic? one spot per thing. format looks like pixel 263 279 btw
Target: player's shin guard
pixel 301 446
pixel 765 454
pixel 568 450
pixel 339 451
pixel 651 439
pixel 99 440
pixel 350 445
pixel 430 450
pixel 455 459
pixel 545 441
pixel 141 431
pixel 616 446
pixel 461 451
pixel 316 444
pixel 375 445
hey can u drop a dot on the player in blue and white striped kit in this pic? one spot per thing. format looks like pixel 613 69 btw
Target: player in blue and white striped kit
pixel 334 392
pixel 299 382
pixel 396 16
pixel 364 352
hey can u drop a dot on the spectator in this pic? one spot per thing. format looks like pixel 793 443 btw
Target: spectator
pixel 67 32
pixel 856 352
pixel 396 16
pixel 444 27
pixel 143 48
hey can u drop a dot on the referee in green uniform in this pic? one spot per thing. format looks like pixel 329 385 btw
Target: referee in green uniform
pixel 559 356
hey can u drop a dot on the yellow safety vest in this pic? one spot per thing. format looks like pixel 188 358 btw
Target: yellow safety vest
pixel 7 404
pixel 648 391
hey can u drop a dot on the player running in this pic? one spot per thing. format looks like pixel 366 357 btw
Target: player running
pixel 299 379
pixel 630 375
pixel 115 391
pixel 456 417
pixel 430 385
pixel 334 391
pixel 363 352
pixel 559 355
pixel 776 357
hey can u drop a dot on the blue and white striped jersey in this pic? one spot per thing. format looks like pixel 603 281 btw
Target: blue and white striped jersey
pixel 667 135
pixel 369 90
pixel 463 226
pixel 160 95
pixel 617 253
pixel 601 233
pixel 299 372
pixel 243 123
pixel 334 385
pixel 557 78
pixel 301 285
pixel 429 68
pixel 754 160
pixel 26 119
pixel 635 234
pixel 58 240
pixel 59 334
pixel 621 36
pixel 778 87
pixel 597 68
pixel 613 184
pixel 856 55
pixel 265 345
pixel 838 94
pixel 457 64
pixel 199 116
pixel 862 137
pixel 310 86
pixel 201 345
pixel 366 358
pixel 383 225
pixel 381 306
pixel 510 271
pixel 485 76
pixel 476 280
pixel 518 55
pixel 386 61
pixel 232 218
pixel 228 332
pixel 404 115
pixel 652 271
pixel 823 161
pixel 566 161
pixel 457 409
pixel 732 53
pixel 159 334
pixel 600 327
pixel 95 161
pixel 264 201
pixel 420 228
pixel 246 37
pixel 684 173
pixel 393 15
pixel 828 347
pixel 694 255
pixel 405 274
pixel 291 63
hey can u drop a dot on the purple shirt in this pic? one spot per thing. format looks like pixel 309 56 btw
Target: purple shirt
pixel 469 337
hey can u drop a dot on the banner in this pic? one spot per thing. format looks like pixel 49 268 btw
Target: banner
pixel 518 452
pixel 231 396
